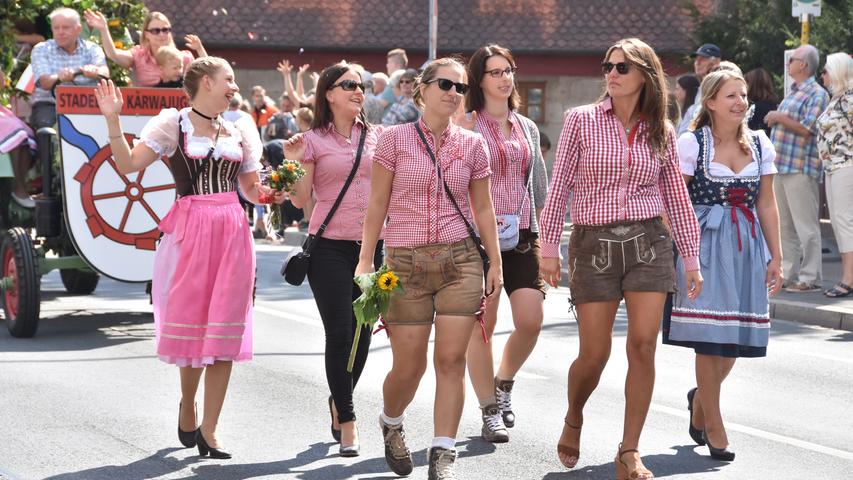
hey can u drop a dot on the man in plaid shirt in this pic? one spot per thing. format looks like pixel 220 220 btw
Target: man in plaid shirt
pixel 64 58
pixel 793 135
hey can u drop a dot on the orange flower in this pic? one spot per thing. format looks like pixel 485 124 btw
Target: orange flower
pixel 119 44
pixel 291 167
pixel 274 176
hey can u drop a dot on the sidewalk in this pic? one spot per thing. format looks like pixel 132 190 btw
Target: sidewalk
pixel 808 308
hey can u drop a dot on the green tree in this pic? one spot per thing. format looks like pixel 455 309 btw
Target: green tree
pixel 756 33
pixel 124 15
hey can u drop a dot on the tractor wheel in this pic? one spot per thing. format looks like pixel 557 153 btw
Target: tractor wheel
pixel 77 282
pixel 21 302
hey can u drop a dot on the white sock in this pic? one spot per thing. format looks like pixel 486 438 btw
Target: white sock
pixel 391 420
pixel 444 442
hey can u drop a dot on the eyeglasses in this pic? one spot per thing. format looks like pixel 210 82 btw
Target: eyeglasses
pixel 446 85
pixel 348 85
pixel 622 68
pixel 791 60
pixel 159 31
pixel 498 73
pixel 406 82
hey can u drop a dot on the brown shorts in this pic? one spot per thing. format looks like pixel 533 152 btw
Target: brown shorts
pixel 438 279
pixel 521 264
pixel 605 261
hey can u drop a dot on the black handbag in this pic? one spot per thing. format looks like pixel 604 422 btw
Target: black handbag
pixel 473 234
pixel 295 266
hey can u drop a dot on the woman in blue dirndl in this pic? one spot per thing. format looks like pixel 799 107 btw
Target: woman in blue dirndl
pixel 729 173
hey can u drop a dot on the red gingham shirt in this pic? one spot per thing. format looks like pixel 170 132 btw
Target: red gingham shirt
pixel 510 159
pixel 419 212
pixel 612 180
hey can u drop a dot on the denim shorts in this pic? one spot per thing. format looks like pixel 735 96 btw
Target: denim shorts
pixel 438 279
pixel 605 261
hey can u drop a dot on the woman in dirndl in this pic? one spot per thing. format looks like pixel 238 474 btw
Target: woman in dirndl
pixel 204 268
pixel 729 172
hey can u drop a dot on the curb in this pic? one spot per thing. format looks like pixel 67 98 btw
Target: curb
pixel 838 318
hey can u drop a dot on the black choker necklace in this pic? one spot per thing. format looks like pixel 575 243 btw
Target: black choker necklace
pixel 202 115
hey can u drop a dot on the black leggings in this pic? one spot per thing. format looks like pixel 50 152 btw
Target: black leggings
pixel 330 275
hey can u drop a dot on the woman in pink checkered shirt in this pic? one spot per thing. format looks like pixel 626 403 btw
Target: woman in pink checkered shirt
pixel 518 186
pixel 618 159
pixel 428 244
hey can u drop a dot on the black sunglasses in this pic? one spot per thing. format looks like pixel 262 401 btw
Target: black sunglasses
pixel 348 85
pixel 622 67
pixel 446 85
pixel 158 31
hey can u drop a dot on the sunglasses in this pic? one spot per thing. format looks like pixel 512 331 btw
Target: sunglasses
pixel 348 85
pixel 159 31
pixel 446 85
pixel 622 68
pixel 498 73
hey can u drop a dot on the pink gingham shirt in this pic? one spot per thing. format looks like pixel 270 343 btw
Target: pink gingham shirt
pixel 419 212
pixel 333 157
pixel 510 159
pixel 613 180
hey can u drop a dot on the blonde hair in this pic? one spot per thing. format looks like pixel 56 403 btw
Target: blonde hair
pixel 839 67
pixel 711 86
pixel 143 35
pixel 429 73
pixel 653 97
pixel 200 68
pixel 167 53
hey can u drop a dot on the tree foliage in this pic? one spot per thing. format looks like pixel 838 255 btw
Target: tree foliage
pixel 756 33
pixel 123 16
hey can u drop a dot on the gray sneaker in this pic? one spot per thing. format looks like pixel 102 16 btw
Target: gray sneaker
pixel 397 454
pixel 503 394
pixel 441 464
pixel 493 425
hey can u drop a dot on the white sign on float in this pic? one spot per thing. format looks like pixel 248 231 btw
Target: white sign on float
pixel 786 78
pixel 112 218
pixel 802 7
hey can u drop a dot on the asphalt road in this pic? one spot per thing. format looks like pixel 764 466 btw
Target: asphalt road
pixel 87 399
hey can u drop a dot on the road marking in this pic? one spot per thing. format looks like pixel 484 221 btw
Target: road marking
pixel 827 357
pixel 794 442
pixel 313 321
pixel 530 376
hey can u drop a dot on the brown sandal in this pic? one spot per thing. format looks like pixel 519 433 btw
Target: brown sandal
pixel 622 473
pixel 572 453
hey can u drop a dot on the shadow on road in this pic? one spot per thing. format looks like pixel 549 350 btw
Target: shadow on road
pixel 685 461
pixel 152 466
pixel 82 330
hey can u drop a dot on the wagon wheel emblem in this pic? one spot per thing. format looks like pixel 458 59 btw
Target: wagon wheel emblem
pixel 134 193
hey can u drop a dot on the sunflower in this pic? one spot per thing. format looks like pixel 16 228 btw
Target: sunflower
pixel 388 281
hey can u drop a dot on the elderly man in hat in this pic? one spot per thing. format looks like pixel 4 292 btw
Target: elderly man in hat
pixel 705 59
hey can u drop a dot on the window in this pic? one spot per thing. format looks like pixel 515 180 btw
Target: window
pixel 532 100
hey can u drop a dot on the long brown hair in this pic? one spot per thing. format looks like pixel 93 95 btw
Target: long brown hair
pixel 653 97
pixel 476 100
pixel 711 86
pixel 322 112
pixel 759 86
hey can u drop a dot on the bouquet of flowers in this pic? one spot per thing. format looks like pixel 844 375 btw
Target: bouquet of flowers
pixel 282 178
pixel 376 289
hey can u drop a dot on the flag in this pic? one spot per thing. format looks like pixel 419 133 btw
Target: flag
pixel 27 82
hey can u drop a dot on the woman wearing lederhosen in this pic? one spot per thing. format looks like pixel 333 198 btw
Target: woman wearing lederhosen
pixel 618 159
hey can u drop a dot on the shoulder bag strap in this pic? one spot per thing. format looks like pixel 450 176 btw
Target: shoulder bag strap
pixel 468 225
pixel 340 198
pixel 527 175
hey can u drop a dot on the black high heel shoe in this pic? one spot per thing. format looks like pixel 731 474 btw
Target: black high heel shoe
pixel 187 438
pixel 336 434
pixel 204 449
pixel 723 454
pixel 695 433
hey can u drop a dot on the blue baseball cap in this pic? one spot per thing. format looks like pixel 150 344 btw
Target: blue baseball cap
pixel 708 50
